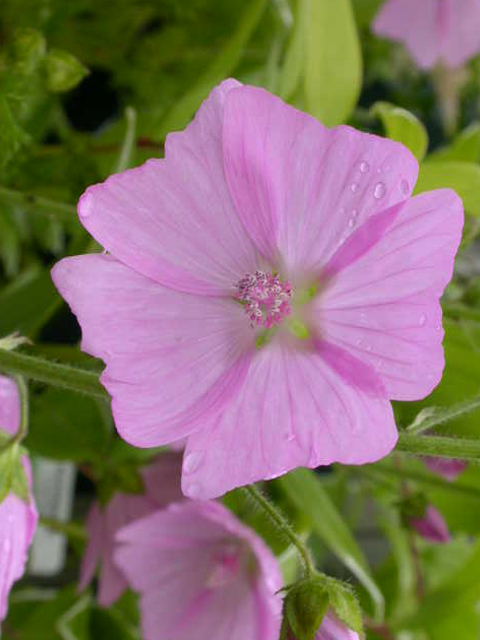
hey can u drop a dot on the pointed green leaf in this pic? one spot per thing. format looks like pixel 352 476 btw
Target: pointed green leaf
pixel 402 126
pixel 462 177
pixel 333 60
pixel 345 604
pixel 64 71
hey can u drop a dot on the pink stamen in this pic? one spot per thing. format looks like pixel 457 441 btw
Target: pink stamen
pixel 266 298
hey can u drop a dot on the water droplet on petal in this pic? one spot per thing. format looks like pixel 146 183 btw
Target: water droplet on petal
pixel 354 187
pixel 379 191
pixel 422 320
pixel 405 187
pixel 364 167
pixel 351 222
pixel 192 461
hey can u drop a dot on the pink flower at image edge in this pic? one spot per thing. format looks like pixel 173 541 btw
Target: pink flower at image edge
pixel 201 574
pixel 161 479
pixel 18 520
pixel 431 526
pixel 269 287
pixel 434 31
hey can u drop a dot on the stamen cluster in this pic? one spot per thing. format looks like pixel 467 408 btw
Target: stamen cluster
pixel 266 298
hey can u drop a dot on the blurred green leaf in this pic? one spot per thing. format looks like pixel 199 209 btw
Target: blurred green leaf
pixel 465 147
pixel 179 116
pixel 306 492
pixel 402 126
pixel 463 177
pixel 293 65
pixel 12 136
pixel 67 426
pixel 333 59
pixel 64 71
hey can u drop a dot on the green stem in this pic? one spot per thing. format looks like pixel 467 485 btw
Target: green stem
pixel 60 211
pixel 125 156
pixel 52 373
pixel 444 447
pixel 281 524
pixel 70 529
pixel 379 470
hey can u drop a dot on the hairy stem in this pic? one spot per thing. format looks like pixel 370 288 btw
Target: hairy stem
pixel 52 373
pixel 441 446
pixel 281 524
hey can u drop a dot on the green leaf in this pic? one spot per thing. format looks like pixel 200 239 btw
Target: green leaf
pixel 107 623
pixel 28 302
pixel 459 593
pixel 295 55
pixel 307 493
pixel 20 482
pixel 333 60
pixel 66 426
pixel 402 126
pixel 179 116
pixel 12 136
pixel 465 147
pixel 9 460
pixel 64 71
pixel 435 416
pixel 463 177
pixel 28 49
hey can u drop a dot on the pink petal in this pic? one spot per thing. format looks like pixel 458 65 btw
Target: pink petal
pixel 414 23
pixel 173 219
pixel 384 308
pixel 9 405
pixel 293 410
pixel 448 469
pixel 121 510
pixel 171 357
pixel 460 28
pixel 162 479
pixel 300 188
pixel 176 545
pixel 18 521
pixel 333 629
pixel 94 548
pixel 432 526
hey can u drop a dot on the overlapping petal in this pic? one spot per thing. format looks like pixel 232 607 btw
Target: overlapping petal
pixel 384 307
pixel 171 357
pixel 178 545
pixel 294 409
pixel 173 219
pixel 301 188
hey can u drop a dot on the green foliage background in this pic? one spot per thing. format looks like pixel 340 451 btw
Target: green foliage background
pixel 93 86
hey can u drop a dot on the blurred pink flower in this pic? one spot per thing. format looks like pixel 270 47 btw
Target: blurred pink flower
pixel 447 468
pixel 270 285
pixel 446 31
pixel 18 520
pixel 431 526
pixel 162 485
pixel 201 574
pixel 331 629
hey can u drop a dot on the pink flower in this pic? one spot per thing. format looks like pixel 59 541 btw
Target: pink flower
pixel 270 286
pixel 18 519
pixel 162 486
pixel 431 526
pixel 201 575
pixel 331 629
pixel 433 31
pixel 448 469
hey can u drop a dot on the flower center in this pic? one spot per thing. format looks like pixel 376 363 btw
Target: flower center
pixel 266 298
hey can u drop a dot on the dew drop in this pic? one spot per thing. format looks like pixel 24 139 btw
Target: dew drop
pixel 354 187
pixel 379 191
pixel 422 320
pixel 364 167
pixel 351 222
pixel 405 187
pixel 193 490
pixel 192 461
